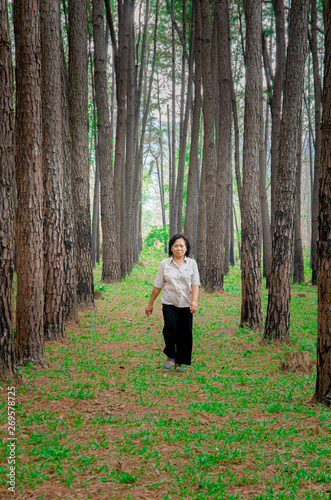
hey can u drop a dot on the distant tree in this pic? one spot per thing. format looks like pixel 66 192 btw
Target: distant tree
pixel 323 381
pixel 52 157
pixel 30 296
pixel 7 174
pixel 278 312
pixel 78 109
pixel 110 254
pixel 250 215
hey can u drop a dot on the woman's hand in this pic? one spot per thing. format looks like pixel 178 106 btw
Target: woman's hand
pixel 193 306
pixel 149 310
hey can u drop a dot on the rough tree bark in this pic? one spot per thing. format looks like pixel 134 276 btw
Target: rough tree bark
pixel 194 147
pixel 323 381
pixel 139 159
pixel 208 107
pixel 96 199
pixel 172 186
pixel 183 138
pixel 30 296
pixel 196 197
pixel 78 109
pixel 276 98
pixel 96 191
pixel 7 175
pixel 52 156
pixel 127 213
pixel 278 312
pixel 264 204
pixel 317 161
pixel 121 90
pixel 219 214
pixel 298 265
pixel 110 255
pixel 250 217
pixel 232 260
pixel 160 169
pixel 201 254
pixel 70 301
pixel 236 142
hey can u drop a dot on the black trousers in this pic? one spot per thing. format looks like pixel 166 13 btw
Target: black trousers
pixel 177 333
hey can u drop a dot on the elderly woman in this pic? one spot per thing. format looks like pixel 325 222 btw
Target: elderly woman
pixel 178 278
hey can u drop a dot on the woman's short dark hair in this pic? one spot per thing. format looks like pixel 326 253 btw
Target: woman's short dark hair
pixel 176 237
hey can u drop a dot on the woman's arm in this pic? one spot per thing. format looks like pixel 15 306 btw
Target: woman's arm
pixel 194 303
pixel 149 308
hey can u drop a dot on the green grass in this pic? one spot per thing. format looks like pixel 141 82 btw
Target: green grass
pixel 105 421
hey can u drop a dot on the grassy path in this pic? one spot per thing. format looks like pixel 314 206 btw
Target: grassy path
pixel 105 420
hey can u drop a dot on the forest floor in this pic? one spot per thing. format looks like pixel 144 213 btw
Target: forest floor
pixel 105 421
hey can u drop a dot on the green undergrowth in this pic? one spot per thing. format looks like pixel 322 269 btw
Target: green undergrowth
pixel 104 420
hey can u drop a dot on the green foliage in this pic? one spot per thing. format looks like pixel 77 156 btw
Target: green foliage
pixel 157 235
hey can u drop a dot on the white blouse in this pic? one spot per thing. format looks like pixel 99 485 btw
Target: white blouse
pixel 176 281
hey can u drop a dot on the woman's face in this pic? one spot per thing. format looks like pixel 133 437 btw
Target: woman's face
pixel 179 248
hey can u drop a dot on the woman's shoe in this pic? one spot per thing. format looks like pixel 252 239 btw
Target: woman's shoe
pixel 168 364
pixel 178 368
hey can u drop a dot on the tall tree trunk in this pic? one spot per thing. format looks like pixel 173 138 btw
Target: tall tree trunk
pixel 298 266
pixel 194 147
pixel 323 381
pixel 121 59
pixel 278 312
pixel 54 278
pixel 96 206
pixel 226 259
pixel 110 256
pixel 219 214
pixel 172 218
pixel 237 231
pixel 160 181
pixel 161 169
pixel 169 163
pixel 201 254
pixel 208 107
pixel 183 141
pixel 96 191
pixel 181 120
pixel 7 176
pixel 318 98
pixel 30 295
pixel 129 158
pixel 236 141
pixel 78 108
pixel 119 165
pixel 232 256
pixel 264 203
pixel 250 216
pixel 276 100
pixel 197 197
pixel 137 202
pixel 70 305
pixel 137 111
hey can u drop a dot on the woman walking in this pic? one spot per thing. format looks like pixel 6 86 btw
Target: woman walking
pixel 178 278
